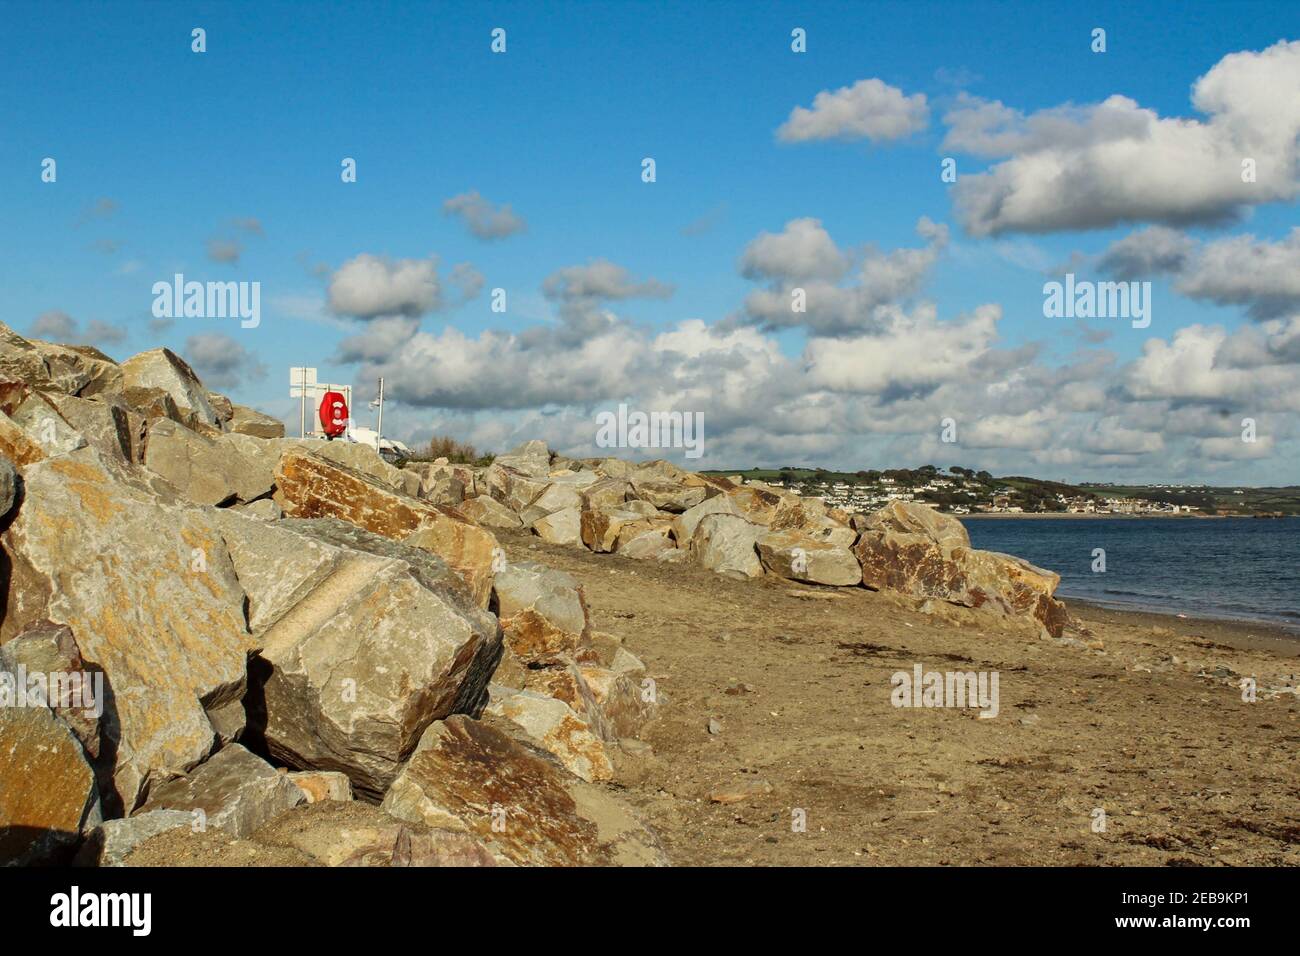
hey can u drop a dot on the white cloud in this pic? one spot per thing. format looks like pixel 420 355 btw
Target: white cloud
pixel 1148 253
pixel 1241 270
pixel 869 109
pixel 369 286
pixel 803 257
pixel 1085 167
pixel 482 218
pixel 802 250
pixel 222 362
pixel 55 326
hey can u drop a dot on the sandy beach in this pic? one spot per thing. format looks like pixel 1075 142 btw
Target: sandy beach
pixel 1136 715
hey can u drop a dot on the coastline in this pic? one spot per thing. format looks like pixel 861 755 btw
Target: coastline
pixel 1237 634
pixel 1096 517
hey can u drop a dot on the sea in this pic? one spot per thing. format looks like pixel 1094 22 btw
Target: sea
pixel 1242 569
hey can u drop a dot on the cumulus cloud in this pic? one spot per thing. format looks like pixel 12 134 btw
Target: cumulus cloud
pixel 57 326
pixel 869 109
pixel 863 396
pixel 1262 276
pixel 1088 167
pixel 600 280
pixel 802 250
pixel 222 362
pixel 54 326
pixel 467 280
pixel 368 286
pixel 803 257
pixel 482 218
pixel 1148 253
pixel 910 352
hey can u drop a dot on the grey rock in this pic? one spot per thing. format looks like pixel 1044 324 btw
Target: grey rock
pixel 236 791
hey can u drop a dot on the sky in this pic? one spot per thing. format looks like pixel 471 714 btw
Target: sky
pixel 778 175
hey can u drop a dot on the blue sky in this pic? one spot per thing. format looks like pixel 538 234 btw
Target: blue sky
pixel 170 160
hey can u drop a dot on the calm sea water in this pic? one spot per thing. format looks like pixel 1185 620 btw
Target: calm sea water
pixel 1236 568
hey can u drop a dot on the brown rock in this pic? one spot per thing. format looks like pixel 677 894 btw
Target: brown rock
pixel 47 789
pixel 235 791
pixel 543 612
pixel 313 488
pixel 364 642
pixel 470 777
pixel 164 369
pixel 249 421
pixel 145 583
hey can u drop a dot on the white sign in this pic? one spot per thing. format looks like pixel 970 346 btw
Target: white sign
pixel 302 381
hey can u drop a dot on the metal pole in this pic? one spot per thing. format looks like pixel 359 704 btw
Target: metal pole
pixel 302 408
pixel 379 426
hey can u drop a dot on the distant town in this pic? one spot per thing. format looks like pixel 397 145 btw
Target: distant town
pixel 964 491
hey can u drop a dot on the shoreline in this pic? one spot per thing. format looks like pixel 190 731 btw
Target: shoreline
pixel 1239 634
pixel 1097 517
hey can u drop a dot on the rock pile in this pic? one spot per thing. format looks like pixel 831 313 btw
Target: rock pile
pixel 263 623
pixel 271 622
pixel 655 511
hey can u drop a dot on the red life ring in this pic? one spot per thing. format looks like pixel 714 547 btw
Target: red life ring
pixel 333 414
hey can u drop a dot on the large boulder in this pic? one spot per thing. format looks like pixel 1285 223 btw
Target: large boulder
pixel 802 557
pixel 646 544
pixel 145 583
pixel 916 550
pixel 560 527
pixel 602 531
pixel 468 776
pixel 164 369
pixel 235 791
pixel 20 360
pixel 47 789
pixel 204 470
pixel 684 524
pixel 488 513
pixel 80 369
pixel 668 495
pixel 726 543
pixel 361 458
pixel 542 610
pixel 70 369
pixel 249 421
pixel 906 517
pixel 71 688
pixel 620 703
pixel 364 641
pixel 110 843
pixel 39 419
pixel 17 446
pixel 513 488
pixel 608 494
pixel 443 484
pixel 755 503
pixel 556 728
pixel 310 487
pixel 531 458
pixel 104 425
pixel 556 496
